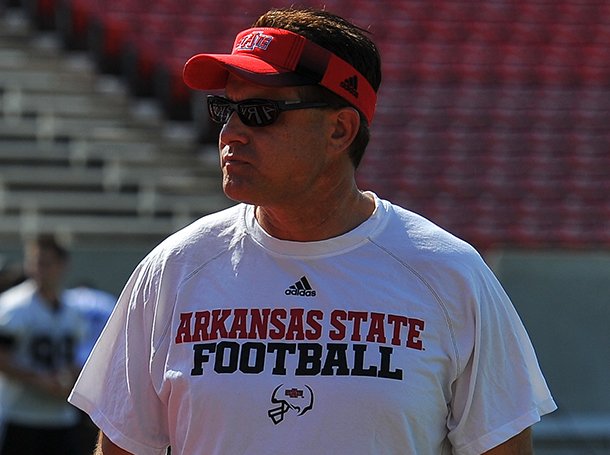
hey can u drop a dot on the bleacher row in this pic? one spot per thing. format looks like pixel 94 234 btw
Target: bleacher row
pixel 492 118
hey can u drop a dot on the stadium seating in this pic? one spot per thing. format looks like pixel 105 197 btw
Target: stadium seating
pixel 492 118
pixel 77 158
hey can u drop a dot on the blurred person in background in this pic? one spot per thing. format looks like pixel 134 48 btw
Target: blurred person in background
pixel 39 334
pixel 313 317
pixel 95 306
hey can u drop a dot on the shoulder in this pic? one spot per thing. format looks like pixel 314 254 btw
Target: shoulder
pixel 409 233
pixel 151 292
pixel 16 307
pixel 17 296
pixel 190 248
pixel 436 256
pixel 205 236
pixel 89 300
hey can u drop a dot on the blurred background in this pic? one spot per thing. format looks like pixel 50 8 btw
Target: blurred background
pixel 492 120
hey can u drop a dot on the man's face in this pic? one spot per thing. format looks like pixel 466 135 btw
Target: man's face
pixel 44 266
pixel 276 164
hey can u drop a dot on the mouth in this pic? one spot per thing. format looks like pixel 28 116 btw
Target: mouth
pixel 230 158
pixel 230 161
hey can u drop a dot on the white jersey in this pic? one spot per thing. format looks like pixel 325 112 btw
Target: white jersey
pixel 394 338
pixel 41 340
pixel 95 306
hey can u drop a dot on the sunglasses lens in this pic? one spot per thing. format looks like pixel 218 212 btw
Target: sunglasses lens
pixel 220 109
pixel 257 113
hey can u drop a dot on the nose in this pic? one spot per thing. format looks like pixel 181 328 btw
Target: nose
pixel 233 131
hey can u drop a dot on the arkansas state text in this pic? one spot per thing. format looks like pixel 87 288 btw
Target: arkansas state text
pixel 358 343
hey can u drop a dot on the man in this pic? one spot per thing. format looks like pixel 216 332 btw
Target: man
pixel 38 336
pixel 312 317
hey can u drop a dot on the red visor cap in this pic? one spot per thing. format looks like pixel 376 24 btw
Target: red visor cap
pixel 277 57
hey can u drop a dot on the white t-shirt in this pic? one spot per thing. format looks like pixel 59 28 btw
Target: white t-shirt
pixel 394 338
pixel 42 340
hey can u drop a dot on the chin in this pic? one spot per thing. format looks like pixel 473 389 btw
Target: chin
pixel 239 194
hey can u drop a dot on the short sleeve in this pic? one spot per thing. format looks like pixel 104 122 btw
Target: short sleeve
pixel 13 321
pixel 115 387
pixel 501 390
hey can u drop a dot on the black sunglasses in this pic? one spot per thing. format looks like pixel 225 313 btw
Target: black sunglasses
pixel 254 112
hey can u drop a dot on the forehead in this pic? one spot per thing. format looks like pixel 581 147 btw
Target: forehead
pixel 239 89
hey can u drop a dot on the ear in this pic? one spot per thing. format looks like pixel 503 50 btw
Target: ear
pixel 346 122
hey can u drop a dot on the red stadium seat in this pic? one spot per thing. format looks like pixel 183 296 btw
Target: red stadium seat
pixel 488 32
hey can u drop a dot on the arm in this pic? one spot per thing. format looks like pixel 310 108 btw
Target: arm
pixel 517 445
pixel 56 384
pixel 106 447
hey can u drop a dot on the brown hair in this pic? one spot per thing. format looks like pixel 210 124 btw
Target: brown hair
pixel 345 40
pixel 49 242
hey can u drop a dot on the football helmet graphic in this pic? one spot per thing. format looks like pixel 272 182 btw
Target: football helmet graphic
pixel 290 399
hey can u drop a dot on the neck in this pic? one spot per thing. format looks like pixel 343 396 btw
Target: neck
pixel 318 218
pixel 50 296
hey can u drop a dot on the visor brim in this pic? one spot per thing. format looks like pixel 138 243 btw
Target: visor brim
pixel 210 72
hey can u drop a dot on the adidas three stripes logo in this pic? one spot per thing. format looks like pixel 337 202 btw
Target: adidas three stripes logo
pixel 351 85
pixel 301 288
